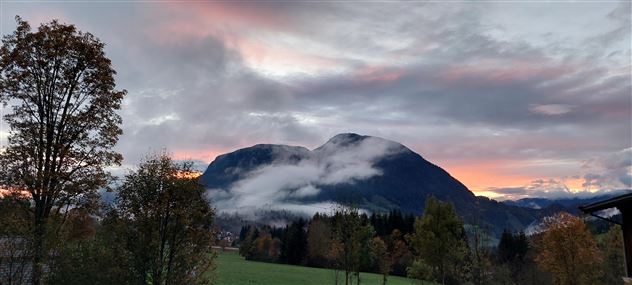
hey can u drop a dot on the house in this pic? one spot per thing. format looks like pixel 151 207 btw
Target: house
pixel 624 204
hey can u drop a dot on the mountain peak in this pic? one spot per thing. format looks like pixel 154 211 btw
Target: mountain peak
pixel 345 139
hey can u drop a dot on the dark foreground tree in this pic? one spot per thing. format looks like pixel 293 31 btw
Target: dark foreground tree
pixel 63 123
pixel 14 226
pixel 169 223
pixel 440 244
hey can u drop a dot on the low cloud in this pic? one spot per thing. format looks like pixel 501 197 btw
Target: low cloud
pixel 282 184
pixel 552 109
pixel 613 170
pixel 603 174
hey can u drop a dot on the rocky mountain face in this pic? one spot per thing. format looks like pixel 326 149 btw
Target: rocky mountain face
pixel 370 173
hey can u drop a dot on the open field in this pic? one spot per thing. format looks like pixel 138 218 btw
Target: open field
pixel 234 270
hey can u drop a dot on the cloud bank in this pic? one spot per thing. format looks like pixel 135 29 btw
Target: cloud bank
pixel 283 184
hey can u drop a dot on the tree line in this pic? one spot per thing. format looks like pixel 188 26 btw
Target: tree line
pixel 158 231
pixel 438 247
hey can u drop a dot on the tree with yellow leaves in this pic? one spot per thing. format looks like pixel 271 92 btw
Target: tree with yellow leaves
pixel 569 251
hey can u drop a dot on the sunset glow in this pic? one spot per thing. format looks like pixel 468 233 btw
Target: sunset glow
pixel 514 99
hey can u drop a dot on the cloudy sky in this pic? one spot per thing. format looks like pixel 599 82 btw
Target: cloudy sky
pixel 514 99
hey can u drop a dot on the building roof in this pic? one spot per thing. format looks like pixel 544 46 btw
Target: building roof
pixel 615 202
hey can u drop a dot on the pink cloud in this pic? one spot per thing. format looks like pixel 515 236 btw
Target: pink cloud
pixel 508 71
pixel 377 74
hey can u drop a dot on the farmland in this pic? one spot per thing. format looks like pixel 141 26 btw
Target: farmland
pixel 234 270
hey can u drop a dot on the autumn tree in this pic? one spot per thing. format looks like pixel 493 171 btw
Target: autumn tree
pixel 569 251
pixel 63 123
pixel 170 223
pixel 266 248
pixel 401 257
pixel 318 241
pixel 381 257
pixel 439 241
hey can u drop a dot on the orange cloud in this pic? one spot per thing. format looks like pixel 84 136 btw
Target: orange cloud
pixel 201 155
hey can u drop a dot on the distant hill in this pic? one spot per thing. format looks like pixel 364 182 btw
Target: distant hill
pixel 570 205
pixel 370 173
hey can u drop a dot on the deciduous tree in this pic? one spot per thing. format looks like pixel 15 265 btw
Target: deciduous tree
pixel 63 123
pixel 382 258
pixel 439 241
pixel 318 242
pixel 569 251
pixel 170 223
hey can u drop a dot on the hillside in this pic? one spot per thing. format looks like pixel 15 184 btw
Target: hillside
pixel 371 173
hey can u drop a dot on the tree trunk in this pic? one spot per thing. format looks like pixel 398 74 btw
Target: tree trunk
pixel 39 250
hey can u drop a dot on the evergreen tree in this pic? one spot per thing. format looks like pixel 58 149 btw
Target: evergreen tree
pixel 294 248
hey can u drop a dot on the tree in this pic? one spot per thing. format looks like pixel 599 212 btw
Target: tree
pixel 93 253
pixel 569 251
pixel 170 223
pixel 14 226
pixel 512 253
pixel 614 262
pixel 351 242
pixel 421 271
pixel 401 257
pixel 382 258
pixel 294 246
pixel 246 246
pixel 481 267
pixel 439 241
pixel 64 122
pixel 318 241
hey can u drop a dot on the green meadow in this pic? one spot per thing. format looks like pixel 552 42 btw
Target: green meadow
pixel 232 269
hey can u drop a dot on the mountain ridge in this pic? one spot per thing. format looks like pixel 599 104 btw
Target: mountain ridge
pixel 371 173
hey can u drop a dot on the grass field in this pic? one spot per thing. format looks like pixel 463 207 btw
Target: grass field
pixel 234 270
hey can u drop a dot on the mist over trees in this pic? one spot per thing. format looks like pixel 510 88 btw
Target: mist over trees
pixel 436 247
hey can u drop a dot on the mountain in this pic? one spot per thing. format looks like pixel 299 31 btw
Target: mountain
pixel 371 173
pixel 570 205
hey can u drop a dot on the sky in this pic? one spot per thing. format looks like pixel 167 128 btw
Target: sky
pixel 513 98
